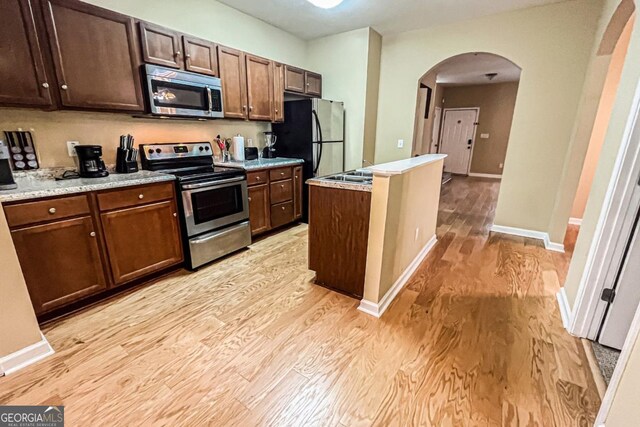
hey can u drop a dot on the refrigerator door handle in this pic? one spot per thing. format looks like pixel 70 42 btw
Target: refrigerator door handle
pixel 319 130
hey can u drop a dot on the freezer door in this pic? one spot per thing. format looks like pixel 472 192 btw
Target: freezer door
pixel 330 118
pixel 332 159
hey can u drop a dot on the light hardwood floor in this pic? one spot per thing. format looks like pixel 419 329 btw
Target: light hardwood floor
pixel 475 338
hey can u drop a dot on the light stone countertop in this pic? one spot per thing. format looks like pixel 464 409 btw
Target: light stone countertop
pixel 41 183
pixel 403 166
pixel 319 182
pixel 250 165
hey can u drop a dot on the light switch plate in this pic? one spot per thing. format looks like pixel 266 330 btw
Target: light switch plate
pixel 400 143
pixel 70 148
pixel 484 135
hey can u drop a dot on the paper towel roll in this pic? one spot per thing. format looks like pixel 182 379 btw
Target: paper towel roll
pixel 238 148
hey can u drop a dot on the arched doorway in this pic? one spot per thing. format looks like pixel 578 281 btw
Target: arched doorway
pixel 465 109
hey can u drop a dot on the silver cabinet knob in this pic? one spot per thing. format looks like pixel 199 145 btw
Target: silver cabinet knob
pixel 257 178
pixel 178 53
pixel 282 186
pixel 92 234
pixel 244 107
pixel 175 214
pixel 187 56
pixel 45 85
pixel 283 208
pixel 276 111
pixel 281 173
pixel 64 87
pixel 52 210
pixel 141 196
pixel 251 108
pixel 249 198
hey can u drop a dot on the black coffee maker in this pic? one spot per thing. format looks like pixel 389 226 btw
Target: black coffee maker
pixel 90 164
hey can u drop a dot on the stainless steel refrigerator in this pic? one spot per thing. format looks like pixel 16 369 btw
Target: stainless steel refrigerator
pixel 313 130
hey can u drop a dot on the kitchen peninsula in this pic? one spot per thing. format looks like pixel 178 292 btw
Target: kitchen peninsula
pixel 370 229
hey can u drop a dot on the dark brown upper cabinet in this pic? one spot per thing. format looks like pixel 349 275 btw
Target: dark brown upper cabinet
pixel 259 87
pixel 95 56
pixel 278 92
pixel 234 82
pixel 160 46
pixel 23 79
pixel 301 81
pixel 200 56
pixel 293 79
pixel 313 83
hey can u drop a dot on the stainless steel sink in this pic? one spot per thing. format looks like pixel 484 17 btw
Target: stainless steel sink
pixel 348 178
pixel 360 172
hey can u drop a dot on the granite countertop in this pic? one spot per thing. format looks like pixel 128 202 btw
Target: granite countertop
pixel 41 183
pixel 250 165
pixel 321 182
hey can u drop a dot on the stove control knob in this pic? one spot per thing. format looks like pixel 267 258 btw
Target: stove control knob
pixel 201 148
pixel 207 148
pixel 150 151
pixel 158 150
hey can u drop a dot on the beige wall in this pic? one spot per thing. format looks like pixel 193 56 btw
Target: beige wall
pixel 496 103
pixel 371 104
pixel 18 325
pixel 552 45
pixel 51 130
pixel 400 205
pixel 423 128
pixel 602 121
pixel 343 61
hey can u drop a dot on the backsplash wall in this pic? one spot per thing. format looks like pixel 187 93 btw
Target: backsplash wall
pixel 52 130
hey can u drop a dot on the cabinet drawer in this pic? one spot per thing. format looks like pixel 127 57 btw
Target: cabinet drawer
pixel 281 214
pixel 123 198
pixel 281 191
pixel 257 178
pixel 46 210
pixel 279 174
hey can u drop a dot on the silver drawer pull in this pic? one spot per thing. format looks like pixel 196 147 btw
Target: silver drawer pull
pixel 141 196
pixel 283 208
pixel 52 210
pixel 175 214
pixel 64 87
pixel 45 85
pixel 92 234
pixel 281 173
pixel 282 186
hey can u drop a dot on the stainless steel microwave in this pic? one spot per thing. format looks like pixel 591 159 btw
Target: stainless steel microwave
pixel 180 93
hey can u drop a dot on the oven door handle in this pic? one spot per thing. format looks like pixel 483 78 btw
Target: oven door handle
pixel 212 184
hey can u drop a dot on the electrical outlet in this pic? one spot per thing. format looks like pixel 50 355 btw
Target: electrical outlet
pixel 501 165
pixel 71 148
pixel 484 135
pixel 400 143
pixel 417 234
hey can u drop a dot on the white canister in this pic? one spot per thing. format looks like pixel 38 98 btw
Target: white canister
pixel 238 148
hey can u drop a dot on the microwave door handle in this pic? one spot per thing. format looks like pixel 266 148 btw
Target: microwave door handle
pixel 210 99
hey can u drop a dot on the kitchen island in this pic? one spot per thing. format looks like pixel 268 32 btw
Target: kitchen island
pixel 370 229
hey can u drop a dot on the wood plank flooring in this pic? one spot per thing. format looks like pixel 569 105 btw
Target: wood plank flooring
pixel 475 338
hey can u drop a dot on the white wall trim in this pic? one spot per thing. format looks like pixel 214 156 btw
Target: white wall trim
pixel 565 311
pixel 485 175
pixel 575 221
pixel 378 309
pixel 532 234
pixel 25 357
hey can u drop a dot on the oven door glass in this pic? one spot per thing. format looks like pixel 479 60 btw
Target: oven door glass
pixel 179 96
pixel 215 206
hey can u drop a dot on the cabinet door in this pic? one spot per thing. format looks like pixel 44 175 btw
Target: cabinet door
pixel 95 55
pixel 294 79
pixel 234 82
pixel 142 240
pixel 23 79
pixel 259 87
pixel 278 93
pixel 200 56
pixel 313 84
pixel 297 191
pixel 160 46
pixel 259 208
pixel 60 262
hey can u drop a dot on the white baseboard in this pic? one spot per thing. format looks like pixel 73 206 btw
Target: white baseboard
pixel 532 234
pixel 485 175
pixel 25 357
pixel 565 311
pixel 575 221
pixel 376 309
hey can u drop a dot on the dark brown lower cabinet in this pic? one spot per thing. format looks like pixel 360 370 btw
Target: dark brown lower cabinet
pixel 259 208
pixel 60 261
pixel 338 236
pixel 141 240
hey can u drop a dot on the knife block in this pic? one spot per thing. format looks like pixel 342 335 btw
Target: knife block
pixel 122 164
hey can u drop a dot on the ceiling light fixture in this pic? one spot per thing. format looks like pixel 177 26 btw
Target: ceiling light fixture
pixel 325 4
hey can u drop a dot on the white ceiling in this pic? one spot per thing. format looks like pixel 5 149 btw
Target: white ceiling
pixel 304 20
pixel 470 68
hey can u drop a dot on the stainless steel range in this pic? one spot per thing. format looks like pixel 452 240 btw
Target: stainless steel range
pixel 213 199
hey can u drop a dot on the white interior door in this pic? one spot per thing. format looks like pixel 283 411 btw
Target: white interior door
pixel 435 131
pixel 458 131
pixel 627 297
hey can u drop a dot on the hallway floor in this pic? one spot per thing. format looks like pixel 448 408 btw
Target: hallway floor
pixel 475 338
